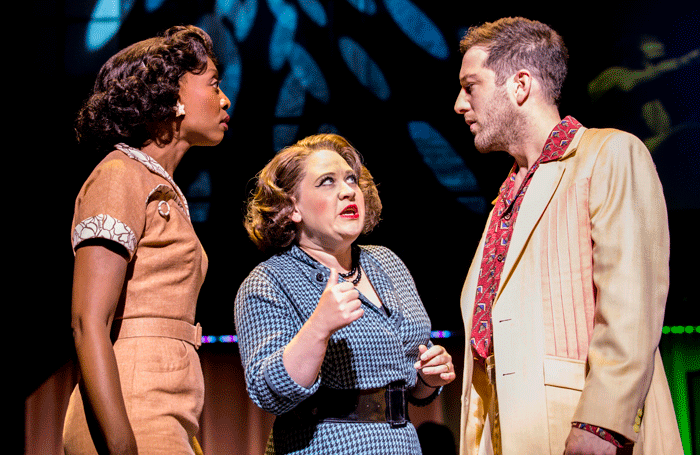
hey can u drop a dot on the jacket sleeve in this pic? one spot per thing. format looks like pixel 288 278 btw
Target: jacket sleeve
pixel 629 230
pixel 265 323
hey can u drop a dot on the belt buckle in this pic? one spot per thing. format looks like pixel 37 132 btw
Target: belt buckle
pixel 396 405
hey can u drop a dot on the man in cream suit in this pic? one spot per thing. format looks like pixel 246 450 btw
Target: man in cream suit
pixel 564 301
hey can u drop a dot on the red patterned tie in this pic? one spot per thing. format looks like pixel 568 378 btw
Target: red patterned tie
pixel 495 249
pixel 500 232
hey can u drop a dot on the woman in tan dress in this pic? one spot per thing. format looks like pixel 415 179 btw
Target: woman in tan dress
pixel 139 265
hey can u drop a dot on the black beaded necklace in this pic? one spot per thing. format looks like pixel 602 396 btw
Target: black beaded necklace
pixel 355 265
pixel 355 268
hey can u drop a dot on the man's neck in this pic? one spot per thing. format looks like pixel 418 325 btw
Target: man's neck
pixel 532 140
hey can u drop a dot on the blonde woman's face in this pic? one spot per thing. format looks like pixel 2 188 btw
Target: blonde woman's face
pixel 329 207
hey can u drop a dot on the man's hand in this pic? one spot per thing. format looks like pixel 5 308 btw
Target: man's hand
pixel 582 442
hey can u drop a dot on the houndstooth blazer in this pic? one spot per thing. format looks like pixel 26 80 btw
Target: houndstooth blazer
pixel 273 303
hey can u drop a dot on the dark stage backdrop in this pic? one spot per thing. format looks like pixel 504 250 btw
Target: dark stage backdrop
pixel 383 73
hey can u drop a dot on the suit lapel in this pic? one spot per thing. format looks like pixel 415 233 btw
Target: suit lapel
pixel 544 184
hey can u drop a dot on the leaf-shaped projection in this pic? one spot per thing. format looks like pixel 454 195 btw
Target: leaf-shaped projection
pixel 363 67
pixel 282 37
pixel 307 72
pixel 418 27
pixel 364 6
pixel 231 81
pixel 280 8
pixel 227 52
pixel 105 22
pixel 304 77
pixel 315 11
pixel 153 5
pixel 441 158
pixel 447 166
pixel 241 14
pixel 291 100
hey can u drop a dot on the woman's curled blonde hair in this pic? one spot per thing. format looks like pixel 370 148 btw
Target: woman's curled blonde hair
pixel 268 218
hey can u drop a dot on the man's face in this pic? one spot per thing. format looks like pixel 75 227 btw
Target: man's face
pixel 484 105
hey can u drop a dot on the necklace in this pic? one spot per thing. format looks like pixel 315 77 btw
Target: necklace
pixel 355 268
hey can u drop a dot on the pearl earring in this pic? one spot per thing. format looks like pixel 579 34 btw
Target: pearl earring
pixel 179 109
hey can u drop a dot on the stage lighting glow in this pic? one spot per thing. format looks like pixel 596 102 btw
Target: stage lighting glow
pixel 441 158
pixel 308 73
pixel 364 68
pixel 241 14
pixel 105 22
pixel 446 164
pixel 440 334
pixel 282 38
pixel 291 98
pixel 418 27
pixel 315 11
pixel 153 5
pixel 364 6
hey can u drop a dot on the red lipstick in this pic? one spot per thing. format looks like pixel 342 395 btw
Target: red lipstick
pixel 351 212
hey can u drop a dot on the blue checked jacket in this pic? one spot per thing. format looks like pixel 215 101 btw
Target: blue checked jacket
pixel 273 303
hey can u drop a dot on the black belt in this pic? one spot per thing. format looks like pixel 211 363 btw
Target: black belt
pixel 386 404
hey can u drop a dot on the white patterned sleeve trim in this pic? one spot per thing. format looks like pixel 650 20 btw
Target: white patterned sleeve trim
pixel 105 227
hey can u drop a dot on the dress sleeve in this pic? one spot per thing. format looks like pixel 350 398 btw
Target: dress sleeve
pixel 111 205
pixel 629 230
pixel 265 324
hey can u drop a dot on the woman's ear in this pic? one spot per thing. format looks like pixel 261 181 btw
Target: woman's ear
pixel 295 216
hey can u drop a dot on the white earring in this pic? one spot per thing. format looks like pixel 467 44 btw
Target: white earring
pixel 179 109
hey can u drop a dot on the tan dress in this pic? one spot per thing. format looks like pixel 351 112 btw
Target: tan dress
pixel 130 199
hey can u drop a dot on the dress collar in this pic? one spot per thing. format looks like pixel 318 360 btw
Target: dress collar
pixel 155 167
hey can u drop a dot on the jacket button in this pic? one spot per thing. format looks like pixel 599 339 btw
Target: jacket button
pixel 319 277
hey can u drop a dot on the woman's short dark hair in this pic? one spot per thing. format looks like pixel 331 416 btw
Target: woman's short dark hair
pixel 514 43
pixel 268 219
pixel 137 89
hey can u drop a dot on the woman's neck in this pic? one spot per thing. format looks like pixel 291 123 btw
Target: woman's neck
pixel 167 155
pixel 341 259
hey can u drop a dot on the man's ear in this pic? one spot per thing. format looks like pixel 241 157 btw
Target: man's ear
pixel 523 81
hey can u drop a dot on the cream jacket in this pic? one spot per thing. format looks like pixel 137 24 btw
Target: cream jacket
pixel 578 314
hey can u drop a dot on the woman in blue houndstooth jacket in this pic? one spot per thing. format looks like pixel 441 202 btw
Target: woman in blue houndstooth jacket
pixel 333 336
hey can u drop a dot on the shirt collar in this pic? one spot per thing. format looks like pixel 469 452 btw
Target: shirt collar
pixel 559 139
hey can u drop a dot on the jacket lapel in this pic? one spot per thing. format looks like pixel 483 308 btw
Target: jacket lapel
pixel 544 185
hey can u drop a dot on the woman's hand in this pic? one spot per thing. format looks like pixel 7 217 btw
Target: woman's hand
pixel 435 366
pixel 338 306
